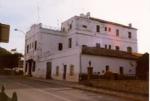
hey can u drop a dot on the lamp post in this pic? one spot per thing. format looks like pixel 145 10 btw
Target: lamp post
pixel 16 29
pixel 25 42
pixel 19 31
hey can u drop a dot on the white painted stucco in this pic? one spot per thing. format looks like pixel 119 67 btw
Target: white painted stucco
pixel 48 39
pixel 99 64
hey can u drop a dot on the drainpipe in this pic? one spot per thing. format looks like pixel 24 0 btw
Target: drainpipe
pixel 80 65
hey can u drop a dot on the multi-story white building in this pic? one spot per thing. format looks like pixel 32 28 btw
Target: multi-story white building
pixel 83 40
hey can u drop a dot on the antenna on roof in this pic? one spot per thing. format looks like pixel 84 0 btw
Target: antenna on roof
pixel 88 14
pixel 130 25
pixel 58 23
pixel 38 13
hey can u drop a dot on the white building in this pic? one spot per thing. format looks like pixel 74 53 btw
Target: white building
pixel 65 54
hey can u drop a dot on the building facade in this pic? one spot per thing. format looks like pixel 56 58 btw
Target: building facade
pixel 60 54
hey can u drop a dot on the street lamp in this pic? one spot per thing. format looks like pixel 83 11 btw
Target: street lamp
pixel 16 29
pixel 19 31
pixel 25 42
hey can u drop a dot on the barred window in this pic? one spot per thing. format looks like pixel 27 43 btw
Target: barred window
pixel 60 46
pixel 70 42
pixel 35 47
pixel 129 35
pixel 129 49
pixel 71 70
pixel 117 32
pixel 97 28
pixel 117 48
pixel 57 71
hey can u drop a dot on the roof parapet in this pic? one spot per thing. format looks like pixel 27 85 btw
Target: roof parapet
pixel 87 15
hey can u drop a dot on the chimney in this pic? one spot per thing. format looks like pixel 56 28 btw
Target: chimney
pixel 81 15
pixel 130 25
pixel 88 14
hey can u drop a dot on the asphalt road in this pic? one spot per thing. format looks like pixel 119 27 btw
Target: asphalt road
pixel 28 90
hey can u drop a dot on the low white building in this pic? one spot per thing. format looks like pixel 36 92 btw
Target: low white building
pixel 65 54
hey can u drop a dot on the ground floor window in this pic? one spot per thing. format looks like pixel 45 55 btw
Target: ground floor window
pixel 71 70
pixel 57 71
pixel 121 70
pixel 107 68
pixel 26 67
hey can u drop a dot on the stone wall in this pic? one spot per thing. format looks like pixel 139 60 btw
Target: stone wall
pixel 128 86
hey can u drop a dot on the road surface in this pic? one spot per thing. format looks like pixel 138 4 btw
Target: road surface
pixel 29 90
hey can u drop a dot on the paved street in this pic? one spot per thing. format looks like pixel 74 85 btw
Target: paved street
pixel 29 90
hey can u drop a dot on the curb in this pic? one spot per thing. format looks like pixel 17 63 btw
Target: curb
pixel 121 95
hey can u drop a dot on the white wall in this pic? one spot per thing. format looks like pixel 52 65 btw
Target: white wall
pixel 40 70
pixel 48 39
pixel 99 63
pixel 89 36
pixel 61 58
pixel 91 40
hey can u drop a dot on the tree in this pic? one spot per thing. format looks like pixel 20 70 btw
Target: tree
pixel 8 60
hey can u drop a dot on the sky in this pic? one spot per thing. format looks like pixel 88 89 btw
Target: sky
pixel 21 14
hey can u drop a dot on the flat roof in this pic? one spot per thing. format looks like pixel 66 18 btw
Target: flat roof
pixel 113 23
pixel 109 53
pixel 108 22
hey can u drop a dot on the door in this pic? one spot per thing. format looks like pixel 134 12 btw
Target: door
pixel 121 71
pixel 30 68
pixel 64 72
pixel 48 70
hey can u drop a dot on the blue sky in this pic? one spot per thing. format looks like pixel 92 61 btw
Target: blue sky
pixel 22 14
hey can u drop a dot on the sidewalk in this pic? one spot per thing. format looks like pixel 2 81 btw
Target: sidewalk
pixel 75 85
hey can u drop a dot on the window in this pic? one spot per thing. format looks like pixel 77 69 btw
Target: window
pixel 32 44
pixel 129 49
pixel 117 32
pixel 109 46
pixel 117 48
pixel 35 47
pixel 84 26
pixel 121 70
pixel 106 46
pixel 84 45
pixel 57 71
pixel 70 26
pixel 63 29
pixel 97 28
pixel 105 28
pixel 109 29
pixel 60 46
pixel 27 48
pixel 107 68
pixel 71 70
pixel 26 67
pixel 70 43
pixel 98 45
pixel 129 35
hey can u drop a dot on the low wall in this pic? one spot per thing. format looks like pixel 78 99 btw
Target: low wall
pixel 129 86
